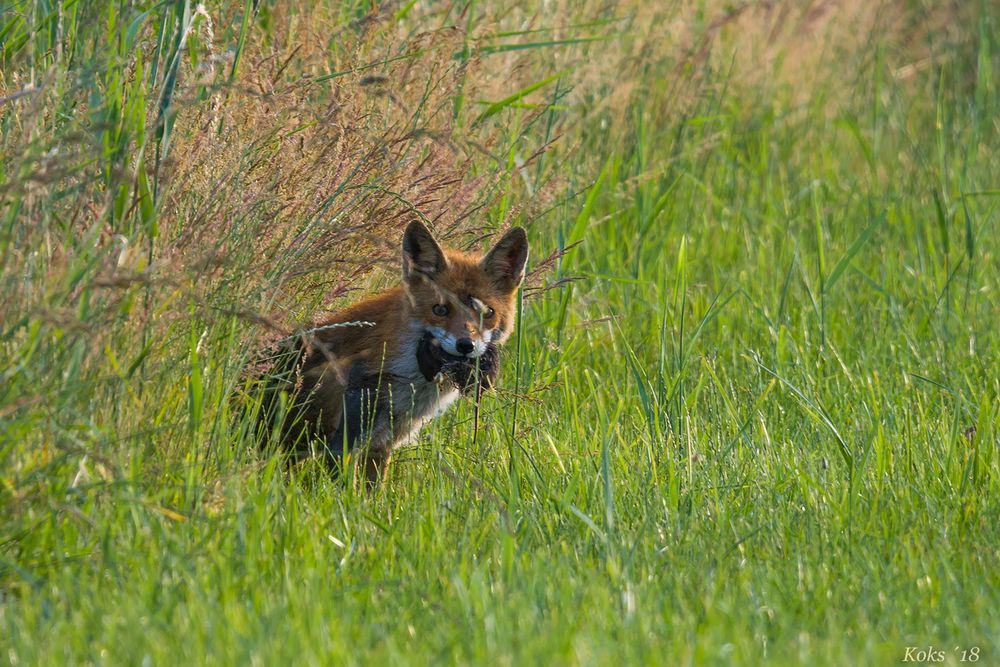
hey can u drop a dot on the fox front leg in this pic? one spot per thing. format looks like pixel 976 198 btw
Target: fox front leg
pixel 370 469
pixel 358 419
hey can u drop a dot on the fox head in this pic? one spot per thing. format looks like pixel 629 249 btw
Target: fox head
pixel 465 300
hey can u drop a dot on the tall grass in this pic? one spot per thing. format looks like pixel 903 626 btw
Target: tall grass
pixel 750 413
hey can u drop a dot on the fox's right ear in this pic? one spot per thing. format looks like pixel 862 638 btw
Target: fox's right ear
pixel 422 256
pixel 505 262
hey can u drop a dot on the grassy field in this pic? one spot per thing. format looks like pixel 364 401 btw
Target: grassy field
pixel 751 413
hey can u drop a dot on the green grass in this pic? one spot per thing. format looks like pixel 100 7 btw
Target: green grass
pixel 758 422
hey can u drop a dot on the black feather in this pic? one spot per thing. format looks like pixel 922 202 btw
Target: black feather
pixel 467 373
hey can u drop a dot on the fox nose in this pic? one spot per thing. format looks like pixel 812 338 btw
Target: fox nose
pixel 464 345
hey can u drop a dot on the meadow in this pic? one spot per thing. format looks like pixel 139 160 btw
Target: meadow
pixel 751 412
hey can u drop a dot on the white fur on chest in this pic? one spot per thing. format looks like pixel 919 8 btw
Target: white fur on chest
pixel 415 400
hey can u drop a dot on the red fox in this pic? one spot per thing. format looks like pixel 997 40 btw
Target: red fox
pixel 371 375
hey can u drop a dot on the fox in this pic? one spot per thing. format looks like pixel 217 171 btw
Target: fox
pixel 368 377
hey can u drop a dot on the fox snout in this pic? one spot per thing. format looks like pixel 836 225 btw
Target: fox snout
pixel 469 345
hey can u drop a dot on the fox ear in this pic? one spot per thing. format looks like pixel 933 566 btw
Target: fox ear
pixel 505 262
pixel 422 256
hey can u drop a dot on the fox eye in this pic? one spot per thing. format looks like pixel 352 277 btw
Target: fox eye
pixel 440 309
pixel 489 313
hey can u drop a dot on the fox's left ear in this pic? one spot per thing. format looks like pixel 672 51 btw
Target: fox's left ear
pixel 422 256
pixel 505 262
